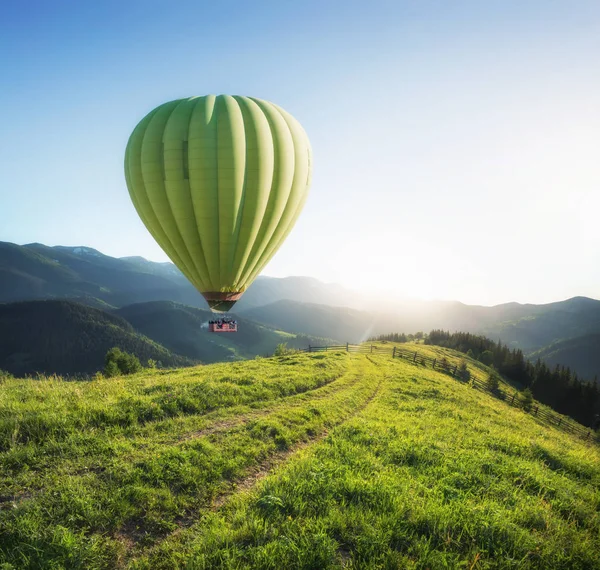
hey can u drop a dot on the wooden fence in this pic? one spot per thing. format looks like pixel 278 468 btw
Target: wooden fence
pixel 451 365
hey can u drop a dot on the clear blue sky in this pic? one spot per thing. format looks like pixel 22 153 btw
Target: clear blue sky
pixel 456 144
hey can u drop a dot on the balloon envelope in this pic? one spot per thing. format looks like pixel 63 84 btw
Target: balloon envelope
pixel 219 182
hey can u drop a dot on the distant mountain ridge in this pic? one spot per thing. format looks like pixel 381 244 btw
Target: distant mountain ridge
pixel 36 271
pixel 581 354
pixel 297 304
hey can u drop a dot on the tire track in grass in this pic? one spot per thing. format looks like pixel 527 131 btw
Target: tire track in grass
pixel 258 472
pixel 264 469
pixel 261 470
pixel 302 399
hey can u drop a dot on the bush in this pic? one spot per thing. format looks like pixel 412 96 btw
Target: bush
pixel 463 371
pixel 283 350
pixel 486 357
pixel 526 399
pixel 4 375
pixel 111 368
pixel 118 362
pixel 493 383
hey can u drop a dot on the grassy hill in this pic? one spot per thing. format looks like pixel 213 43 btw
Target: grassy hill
pixel 581 354
pixel 533 328
pixel 323 460
pixel 68 338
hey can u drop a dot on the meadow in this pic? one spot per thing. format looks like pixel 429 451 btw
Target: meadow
pixel 319 460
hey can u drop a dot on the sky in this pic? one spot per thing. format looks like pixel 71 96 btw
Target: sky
pixel 456 145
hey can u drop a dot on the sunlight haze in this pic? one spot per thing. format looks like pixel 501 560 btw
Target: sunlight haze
pixel 456 147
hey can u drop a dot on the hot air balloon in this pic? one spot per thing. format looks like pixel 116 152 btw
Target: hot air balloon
pixel 219 182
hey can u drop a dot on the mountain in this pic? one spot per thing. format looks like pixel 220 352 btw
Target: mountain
pixel 184 330
pixel 296 304
pixel 62 337
pixel 581 354
pixel 266 290
pixel 339 323
pixel 36 271
pixel 540 325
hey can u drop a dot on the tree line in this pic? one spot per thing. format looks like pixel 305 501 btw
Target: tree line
pixel 398 337
pixel 557 387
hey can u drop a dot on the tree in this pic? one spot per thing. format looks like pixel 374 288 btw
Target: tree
pixel 118 362
pixel 493 383
pixel 111 368
pixel 526 399
pixel 463 371
pixel 486 357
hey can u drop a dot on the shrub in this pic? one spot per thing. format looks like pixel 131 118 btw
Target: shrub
pixel 463 371
pixel 526 399
pixel 486 357
pixel 283 350
pixel 118 362
pixel 4 375
pixel 493 383
pixel 111 368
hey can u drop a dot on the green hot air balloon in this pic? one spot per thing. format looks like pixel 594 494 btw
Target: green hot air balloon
pixel 219 182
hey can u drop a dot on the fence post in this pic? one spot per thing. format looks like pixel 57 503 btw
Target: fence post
pixel 588 434
pixel 309 348
pixel 559 422
pixel 455 369
pixel 347 348
pixel 394 353
pixel 415 356
pixel 433 365
pixel 513 399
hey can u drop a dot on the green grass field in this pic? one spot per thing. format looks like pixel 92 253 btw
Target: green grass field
pixel 325 460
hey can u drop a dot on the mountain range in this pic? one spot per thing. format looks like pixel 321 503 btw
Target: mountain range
pixel 161 305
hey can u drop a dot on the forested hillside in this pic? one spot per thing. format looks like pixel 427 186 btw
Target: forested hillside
pixel 68 338
pixel 581 354
pixel 557 387
pixel 183 329
pixel 64 337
